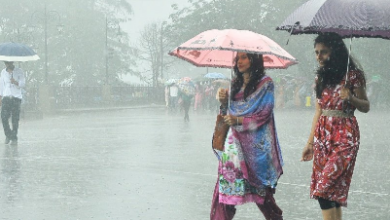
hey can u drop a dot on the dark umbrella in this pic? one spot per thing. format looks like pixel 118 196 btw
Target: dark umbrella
pixel 16 52
pixel 348 18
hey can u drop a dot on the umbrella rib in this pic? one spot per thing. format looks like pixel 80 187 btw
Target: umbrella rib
pixel 226 66
pixel 235 50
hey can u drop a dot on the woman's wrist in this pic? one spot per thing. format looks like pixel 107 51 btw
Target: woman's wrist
pixel 350 97
pixel 223 109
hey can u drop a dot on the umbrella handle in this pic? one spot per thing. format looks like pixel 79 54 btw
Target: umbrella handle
pixel 346 105
pixel 230 84
pixel 292 29
pixel 349 60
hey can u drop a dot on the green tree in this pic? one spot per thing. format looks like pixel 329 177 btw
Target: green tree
pixel 153 49
pixel 218 14
pixel 77 52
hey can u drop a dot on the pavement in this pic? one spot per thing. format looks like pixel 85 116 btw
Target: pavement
pixel 146 163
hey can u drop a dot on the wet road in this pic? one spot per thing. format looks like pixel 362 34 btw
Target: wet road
pixel 148 164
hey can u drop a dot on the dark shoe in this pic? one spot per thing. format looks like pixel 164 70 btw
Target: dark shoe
pixel 14 142
pixel 7 140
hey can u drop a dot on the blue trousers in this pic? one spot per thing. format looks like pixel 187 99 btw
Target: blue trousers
pixel 10 109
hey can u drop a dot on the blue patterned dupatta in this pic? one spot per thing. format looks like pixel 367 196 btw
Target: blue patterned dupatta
pixel 251 161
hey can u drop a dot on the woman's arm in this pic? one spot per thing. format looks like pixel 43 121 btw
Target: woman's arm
pixel 262 115
pixel 316 116
pixel 307 153
pixel 359 100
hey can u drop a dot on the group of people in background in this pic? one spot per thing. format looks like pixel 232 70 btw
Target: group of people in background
pixel 203 98
pixel 290 92
pixel 293 92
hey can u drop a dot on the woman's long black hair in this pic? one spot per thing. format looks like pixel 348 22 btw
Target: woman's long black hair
pixel 335 68
pixel 257 73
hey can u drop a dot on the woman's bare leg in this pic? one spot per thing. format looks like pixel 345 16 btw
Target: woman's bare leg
pixel 339 213
pixel 332 214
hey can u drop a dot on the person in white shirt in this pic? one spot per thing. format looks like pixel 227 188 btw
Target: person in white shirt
pixel 12 81
pixel 173 96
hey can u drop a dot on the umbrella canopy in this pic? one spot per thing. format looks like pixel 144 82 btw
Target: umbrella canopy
pixel 200 79
pixel 217 48
pixel 348 18
pixel 225 83
pixel 186 86
pixel 16 52
pixel 215 76
pixel 185 80
pixel 171 81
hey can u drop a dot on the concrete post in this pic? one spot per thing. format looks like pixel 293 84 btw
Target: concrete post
pixel 45 95
pixel 106 94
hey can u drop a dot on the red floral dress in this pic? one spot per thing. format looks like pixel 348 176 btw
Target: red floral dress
pixel 336 144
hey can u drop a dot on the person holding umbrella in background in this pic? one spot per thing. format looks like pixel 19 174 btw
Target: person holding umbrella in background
pixel 186 93
pixel 12 81
pixel 334 140
pixel 186 103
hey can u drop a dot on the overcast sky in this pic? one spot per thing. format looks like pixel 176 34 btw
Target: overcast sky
pixel 148 11
pixel 145 12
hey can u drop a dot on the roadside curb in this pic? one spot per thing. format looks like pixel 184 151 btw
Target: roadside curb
pixel 41 115
pixel 107 109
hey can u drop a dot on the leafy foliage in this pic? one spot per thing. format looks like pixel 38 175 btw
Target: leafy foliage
pixel 153 49
pixel 76 53
pixel 219 14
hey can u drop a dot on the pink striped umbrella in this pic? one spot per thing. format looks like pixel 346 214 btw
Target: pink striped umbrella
pixel 217 48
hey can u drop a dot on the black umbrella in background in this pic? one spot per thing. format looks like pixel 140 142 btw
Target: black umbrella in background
pixel 13 52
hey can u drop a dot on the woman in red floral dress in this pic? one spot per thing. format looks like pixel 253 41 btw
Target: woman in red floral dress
pixel 334 139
